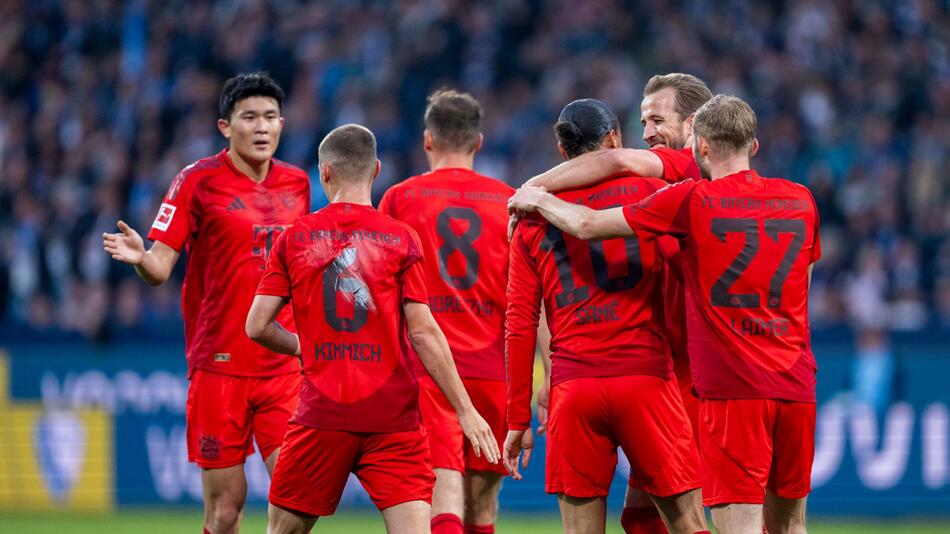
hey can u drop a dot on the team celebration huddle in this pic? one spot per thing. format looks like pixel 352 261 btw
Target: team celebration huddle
pixel 666 288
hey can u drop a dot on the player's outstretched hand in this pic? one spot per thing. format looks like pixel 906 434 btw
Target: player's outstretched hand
pixel 544 394
pixel 480 435
pixel 515 442
pixel 526 199
pixel 126 246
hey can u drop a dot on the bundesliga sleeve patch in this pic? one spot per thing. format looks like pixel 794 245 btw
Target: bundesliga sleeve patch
pixel 164 217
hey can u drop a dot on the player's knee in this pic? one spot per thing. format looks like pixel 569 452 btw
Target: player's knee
pixel 224 515
pixel 480 509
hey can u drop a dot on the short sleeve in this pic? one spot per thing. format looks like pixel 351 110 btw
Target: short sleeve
pixel 174 224
pixel 663 212
pixel 413 275
pixel 276 279
pixel 678 165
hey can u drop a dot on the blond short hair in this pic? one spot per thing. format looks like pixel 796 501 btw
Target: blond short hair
pixel 727 123
pixel 350 150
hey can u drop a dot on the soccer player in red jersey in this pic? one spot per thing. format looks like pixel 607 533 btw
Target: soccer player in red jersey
pixel 461 218
pixel 666 113
pixel 612 381
pixel 356 279
pixel 226 212
pixel 749 244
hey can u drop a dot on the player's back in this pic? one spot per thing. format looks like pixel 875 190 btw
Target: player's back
pixel 461 218
pixel 751 243
pixel 602 299
pixel 350 269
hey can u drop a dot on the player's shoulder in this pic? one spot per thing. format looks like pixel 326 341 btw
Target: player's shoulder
pixel 289 171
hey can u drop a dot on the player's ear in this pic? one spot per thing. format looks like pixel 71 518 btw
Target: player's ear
pixel 754 147
pixel 561 151
pixel 427 140
pixel 379 167
pixel 325 172
pixel 688 126
pixel 224 126
pixel 613 139
pixel 478 143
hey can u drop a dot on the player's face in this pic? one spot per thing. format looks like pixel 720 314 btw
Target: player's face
pixel 254 128
pixel 662 126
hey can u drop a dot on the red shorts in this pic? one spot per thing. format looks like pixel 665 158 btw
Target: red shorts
pixel 314 464
pixel 224 413
pixel 751 445
pixel 690 403
pixel 590 417
pixel 449 448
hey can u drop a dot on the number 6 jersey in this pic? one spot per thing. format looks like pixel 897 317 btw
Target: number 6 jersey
pixel 748 243
pixel 348 269
pixel 602 299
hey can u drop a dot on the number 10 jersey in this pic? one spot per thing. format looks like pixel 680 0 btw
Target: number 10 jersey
pixel 348 269
pixel 747 244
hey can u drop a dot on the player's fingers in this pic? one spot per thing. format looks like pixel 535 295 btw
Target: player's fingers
pixel 491 447
pixel 475 447
pixel 124 228
pixel 526 458
pixel 541 428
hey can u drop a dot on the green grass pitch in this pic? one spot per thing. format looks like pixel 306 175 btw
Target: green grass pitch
pixel 172 521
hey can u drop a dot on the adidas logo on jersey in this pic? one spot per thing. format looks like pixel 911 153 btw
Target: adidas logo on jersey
pixel 236 204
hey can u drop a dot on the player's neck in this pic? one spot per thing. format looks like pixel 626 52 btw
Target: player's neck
pixel 353 194
pixel 450 160
pixel 254 171
pixel 727 167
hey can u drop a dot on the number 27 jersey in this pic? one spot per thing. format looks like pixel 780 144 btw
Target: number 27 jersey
pixel 747 244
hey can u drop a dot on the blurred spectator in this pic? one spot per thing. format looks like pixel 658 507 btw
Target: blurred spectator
pixel 101 103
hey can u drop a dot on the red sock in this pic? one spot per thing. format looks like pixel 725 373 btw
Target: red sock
pixel 205 530
pixel 703 532
pixel 447 524
pixel 645 520
pixel 480 529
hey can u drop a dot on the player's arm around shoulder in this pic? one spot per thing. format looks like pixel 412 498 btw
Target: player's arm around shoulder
pixel 594 167
pixel 575 219
pixel 434 352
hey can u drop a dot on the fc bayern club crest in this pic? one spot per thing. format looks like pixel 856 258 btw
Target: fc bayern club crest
pixel 209 446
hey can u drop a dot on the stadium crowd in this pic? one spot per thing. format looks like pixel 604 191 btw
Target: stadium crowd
pixel 102 102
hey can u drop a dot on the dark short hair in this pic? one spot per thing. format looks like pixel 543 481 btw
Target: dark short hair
pixel 454 119
pixel 582 125
pixel 727 123
pixel 691 92
pixel 245 85
pixel 350 150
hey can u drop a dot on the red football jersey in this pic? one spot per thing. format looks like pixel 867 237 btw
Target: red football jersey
pixel 462 219
pixel 678 164
pixel 602 299
pixel 347 270
pixel 747 244
pixel 227 224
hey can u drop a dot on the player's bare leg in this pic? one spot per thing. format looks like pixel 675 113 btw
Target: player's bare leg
pixel 271 461
pixel 737 518
pixel 447 498
pixel 682 513
pixel 640 515
pixel 784 516
pixel 481 497
pixel 281 521
pixel 225 491
pixel 408 518
pixel 583 516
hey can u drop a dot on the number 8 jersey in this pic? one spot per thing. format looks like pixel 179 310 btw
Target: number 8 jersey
pixel 748 243
pixel 348 269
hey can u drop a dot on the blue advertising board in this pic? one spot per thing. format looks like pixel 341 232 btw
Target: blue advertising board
pixel 867 462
